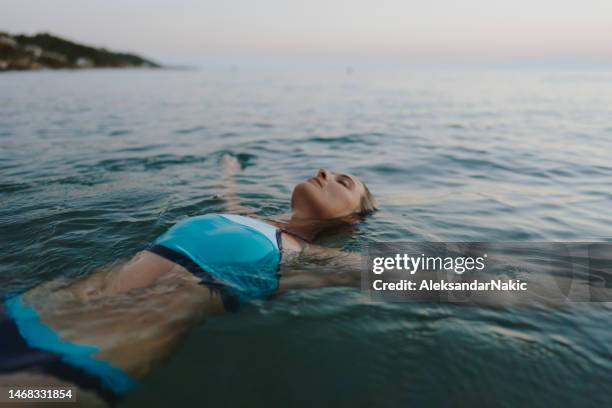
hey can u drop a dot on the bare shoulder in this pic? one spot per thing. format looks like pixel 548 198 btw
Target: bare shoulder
pixel 291 244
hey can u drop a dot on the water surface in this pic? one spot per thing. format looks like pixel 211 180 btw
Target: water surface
pixel 95 164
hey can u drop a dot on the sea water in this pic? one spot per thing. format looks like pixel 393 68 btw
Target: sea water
pixel 95 164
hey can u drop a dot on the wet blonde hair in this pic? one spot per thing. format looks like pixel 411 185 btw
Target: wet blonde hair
pixel 368 203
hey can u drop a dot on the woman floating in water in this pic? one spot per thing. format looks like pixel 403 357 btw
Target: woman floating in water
pixel 107 330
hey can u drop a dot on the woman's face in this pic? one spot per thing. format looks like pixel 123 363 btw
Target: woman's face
pixel 327 195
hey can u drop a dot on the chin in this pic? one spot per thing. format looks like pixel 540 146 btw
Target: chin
pixel 302 191
pixel 306 199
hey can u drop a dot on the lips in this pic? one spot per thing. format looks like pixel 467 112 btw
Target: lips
pixel 315 180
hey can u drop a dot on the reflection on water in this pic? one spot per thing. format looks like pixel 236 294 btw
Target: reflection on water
pixel 94 165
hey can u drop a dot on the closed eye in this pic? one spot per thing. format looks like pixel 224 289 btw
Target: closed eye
pixel 345 181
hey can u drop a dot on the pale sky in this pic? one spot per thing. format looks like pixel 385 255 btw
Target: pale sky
pixel 382 29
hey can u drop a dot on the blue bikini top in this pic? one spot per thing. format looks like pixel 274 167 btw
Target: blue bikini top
pixel 239 253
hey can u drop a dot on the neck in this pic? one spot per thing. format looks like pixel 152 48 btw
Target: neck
pixel 304 228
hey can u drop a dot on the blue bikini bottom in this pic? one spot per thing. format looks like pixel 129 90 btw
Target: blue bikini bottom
pixel 27 344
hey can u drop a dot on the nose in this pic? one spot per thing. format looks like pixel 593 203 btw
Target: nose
pixel 323 173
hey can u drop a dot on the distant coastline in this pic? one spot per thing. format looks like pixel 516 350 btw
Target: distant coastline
pixel 46 51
